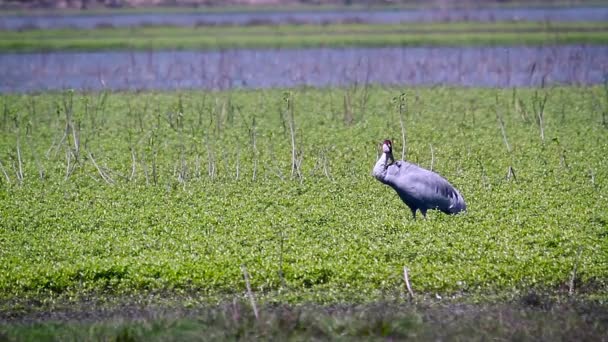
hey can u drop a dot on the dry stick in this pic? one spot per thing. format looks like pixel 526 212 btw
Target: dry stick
pixel 511 173
pixel 592 176
pixel 292 123
pixel 8 180
pixel 407 283
pixel 255 149
pixel 504 132
pixel 183 172
pixel 76 136
pixel 36 159
pixel 133 162
pixel 283 283
pixel 101 173
pixel 197 166
pixel 20 163
pixel 573 275
pixel 325 166
pixel 145 169
pixel 432 157
pixel 210 158
pixel 249 293
pixel 238 164
pixel 154 172
pixel 539 106
pixel 274 162
pixel 68 157
pixel 402 123
pixel 348 112
pixel 484 176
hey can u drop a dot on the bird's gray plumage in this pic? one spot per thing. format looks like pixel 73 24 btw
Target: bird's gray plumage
pixel 419 188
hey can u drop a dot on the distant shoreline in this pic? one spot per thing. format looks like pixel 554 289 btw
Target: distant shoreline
pixel 176 6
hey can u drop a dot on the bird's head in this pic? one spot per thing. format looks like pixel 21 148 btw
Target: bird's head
pixel 387 146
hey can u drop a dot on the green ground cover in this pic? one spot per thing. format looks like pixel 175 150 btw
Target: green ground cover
pixel 110 199
pixel 124 193
pixel 294 36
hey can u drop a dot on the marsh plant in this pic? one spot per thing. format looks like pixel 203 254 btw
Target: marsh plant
pixel 131 193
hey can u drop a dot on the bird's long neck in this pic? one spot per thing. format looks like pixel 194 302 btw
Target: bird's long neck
pixel 385 160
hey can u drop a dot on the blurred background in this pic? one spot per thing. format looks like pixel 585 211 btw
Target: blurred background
pixel 213 44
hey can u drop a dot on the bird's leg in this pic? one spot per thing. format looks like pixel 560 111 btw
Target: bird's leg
pixel 423 211
pixel 413 213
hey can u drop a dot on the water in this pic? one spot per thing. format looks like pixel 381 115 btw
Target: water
pixel 166 70
pixel 240 18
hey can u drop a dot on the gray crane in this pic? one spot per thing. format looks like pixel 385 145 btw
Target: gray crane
pixel 419 188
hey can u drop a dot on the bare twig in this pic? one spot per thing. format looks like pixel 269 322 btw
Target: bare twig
pixel 573 274
pixel 210 158
pixel 274 162
pixel 133 163
pixel 407 283
pixel 325 165
pixel 8 180
pixel 68 166
pixel 511 173
pixel 348 109
pixel 249 292
pixel 502 127
pixel 539 107
pixel 402 108
pixel 19 161
pixel 281 276
pixel 295 165
pixel 145 169
pixel 432 157
pixel 254 148
pixel 238 164
pixel 100 171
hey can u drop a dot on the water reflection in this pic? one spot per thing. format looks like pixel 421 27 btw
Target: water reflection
pixel 457 66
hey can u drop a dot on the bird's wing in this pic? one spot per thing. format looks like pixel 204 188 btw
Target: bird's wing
pixel 425 186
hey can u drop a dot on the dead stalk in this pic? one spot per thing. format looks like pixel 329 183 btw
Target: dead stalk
pixel 145 169
pixel 295 165
pixel 133 163
pixel 573 274
pixel 511 173
pixel 432 157
pixel 8 180
pixel 348 111
pixel 325 165
pixel 238 164
pixel 539 107
pixel 105 177
pixel 502 128
pixel 402 108
pixel 68 166
pixel 249 292
pixel 254 148
pixel 407 283
pixel 19 161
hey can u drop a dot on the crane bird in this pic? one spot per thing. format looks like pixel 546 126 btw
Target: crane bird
pixel 420 189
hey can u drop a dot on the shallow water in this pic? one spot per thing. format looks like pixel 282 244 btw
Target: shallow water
pixel 164 70
pixel 240 18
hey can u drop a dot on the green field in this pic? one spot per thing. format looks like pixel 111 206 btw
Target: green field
pixel 300 36
pixel 168 195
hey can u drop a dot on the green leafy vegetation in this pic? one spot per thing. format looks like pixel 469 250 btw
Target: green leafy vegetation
pixel 125 194
pixel 297 36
